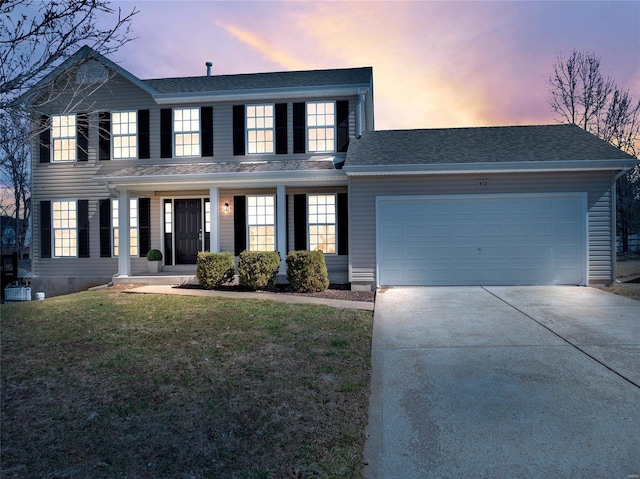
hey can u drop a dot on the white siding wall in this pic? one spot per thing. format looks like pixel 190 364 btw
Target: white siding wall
pixel 363 191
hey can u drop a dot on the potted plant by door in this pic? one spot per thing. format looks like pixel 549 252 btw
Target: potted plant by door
pixel 154 260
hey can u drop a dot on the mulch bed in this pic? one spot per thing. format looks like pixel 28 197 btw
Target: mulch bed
pixel 335 291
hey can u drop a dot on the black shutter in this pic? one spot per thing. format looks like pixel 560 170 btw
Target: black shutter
pixel 105 228
pixel 104 136
pixel 144 225
pixel 300 222
pixel 299 128
pixel 239 224
pixel 82 126
pixel 206 126
pixel 45 139
pixel 45 229
pixel 166 147
pixel 342 124
pixel 281 129
pixel 144 142
pixel 343 223
pixel 238 130
pixel 83 229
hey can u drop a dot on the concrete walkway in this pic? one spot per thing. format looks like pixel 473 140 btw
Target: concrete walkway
pixel 284 298
pixel 504 382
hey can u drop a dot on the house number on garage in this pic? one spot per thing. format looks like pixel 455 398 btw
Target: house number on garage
pixel 483 183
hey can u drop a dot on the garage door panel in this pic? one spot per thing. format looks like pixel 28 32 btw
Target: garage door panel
pixel 482 240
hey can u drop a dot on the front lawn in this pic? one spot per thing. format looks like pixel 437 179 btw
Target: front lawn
pixel 107 384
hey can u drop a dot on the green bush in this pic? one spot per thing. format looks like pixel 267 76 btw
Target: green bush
pixel 154 255
pixel 258 269
pixel 215 269
pixel 307 271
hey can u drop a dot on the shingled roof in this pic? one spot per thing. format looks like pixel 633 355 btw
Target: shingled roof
pixel 504 144
pixel 293 79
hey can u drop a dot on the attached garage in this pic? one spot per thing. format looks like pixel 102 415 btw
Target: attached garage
pixel 514 205
pixel 482 239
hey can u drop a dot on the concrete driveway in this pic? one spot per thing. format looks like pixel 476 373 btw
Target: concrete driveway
pixel 504 382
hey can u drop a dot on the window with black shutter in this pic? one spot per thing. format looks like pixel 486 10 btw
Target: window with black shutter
pixel 105 228
pixel 45 229
pixel 299 128
pixel 206 119
pixel 166 146
pixel 83 229
pixel 281 129
pixel 144 143
pixel 104 136
pixel 144 225
pixel 83 136
pixel 342 125
pixel 45 139
pixel 238 130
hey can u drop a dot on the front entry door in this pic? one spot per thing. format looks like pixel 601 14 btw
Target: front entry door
pixel 188 224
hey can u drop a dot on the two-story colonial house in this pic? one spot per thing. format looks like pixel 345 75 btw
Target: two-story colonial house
pixel 290 160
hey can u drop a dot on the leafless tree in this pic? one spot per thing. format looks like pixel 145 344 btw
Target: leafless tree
pixel 581 95
pixel 36 37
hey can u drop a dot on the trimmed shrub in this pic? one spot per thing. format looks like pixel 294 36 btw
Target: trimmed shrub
pixel 215 269
pixel 154 255
pixel 307 271
pixel 258 269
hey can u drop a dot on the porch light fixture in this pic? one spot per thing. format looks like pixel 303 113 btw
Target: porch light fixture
pixel 225 207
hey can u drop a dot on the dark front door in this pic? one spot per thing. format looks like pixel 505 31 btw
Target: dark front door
pixel 188 223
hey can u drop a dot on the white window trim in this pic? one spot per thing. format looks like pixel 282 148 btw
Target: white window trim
pixel 274 224
pixel 74 137
pixel 113 135
pixel 174 132
pixel 335 223
pixel 272 129
pixel 308 128
pixel 54 229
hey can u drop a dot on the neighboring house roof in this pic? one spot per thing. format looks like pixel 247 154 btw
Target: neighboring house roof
pixel 261 81
pixel 504 148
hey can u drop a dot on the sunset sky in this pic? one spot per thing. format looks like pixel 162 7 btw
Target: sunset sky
pixel 435 63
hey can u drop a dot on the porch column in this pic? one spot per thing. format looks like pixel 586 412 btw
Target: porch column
pixel 124 260
pixel 281 227
pixel 214 220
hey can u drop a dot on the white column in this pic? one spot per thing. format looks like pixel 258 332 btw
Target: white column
pixel 124 217
pixel 214 220
pixel 281 227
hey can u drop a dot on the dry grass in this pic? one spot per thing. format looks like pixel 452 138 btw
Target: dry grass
pixel 106 384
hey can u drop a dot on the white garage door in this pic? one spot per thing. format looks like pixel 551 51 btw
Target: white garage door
pixel 480 239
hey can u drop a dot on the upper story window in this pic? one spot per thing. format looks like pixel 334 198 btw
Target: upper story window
pixel 65 229
pixel 260 129
pixel 261 222
pixel 322 223
pixel 124 129
pixel 321 126
pixel 186 131
pixel 63 132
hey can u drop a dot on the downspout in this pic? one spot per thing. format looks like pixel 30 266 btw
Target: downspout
pixel 360 122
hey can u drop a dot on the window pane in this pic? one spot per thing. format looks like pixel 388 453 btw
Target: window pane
pixel 261 223
pixel 259 123
pixel 186 127
pixel 322 223
pixel 123 130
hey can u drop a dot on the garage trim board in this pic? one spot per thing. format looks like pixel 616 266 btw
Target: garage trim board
pixel 482 239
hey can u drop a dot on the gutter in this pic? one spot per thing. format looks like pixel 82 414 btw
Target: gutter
pixel 467 168
pixel 243 95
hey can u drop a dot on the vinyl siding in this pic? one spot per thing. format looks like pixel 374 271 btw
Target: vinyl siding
pixel 74 180
pixel 363 192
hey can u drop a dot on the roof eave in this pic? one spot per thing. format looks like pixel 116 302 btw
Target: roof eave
pixel 259 94
pixel 474 168
pixel 228 180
